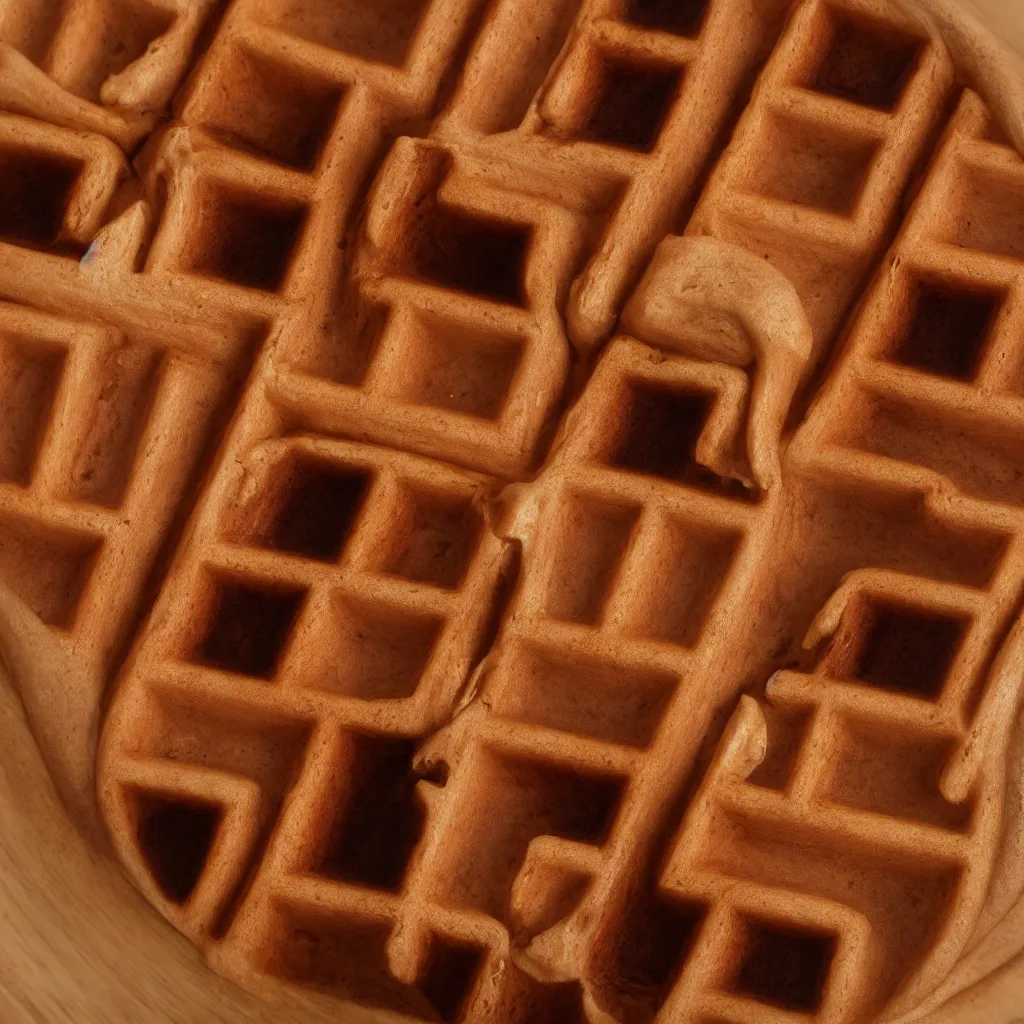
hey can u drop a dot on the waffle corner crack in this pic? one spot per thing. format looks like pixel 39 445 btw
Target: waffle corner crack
pixel 358 315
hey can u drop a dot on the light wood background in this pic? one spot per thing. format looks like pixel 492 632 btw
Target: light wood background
pixel 79 946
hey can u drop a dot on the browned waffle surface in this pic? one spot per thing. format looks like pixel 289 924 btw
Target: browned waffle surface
pixel 106 66
pixel 453 662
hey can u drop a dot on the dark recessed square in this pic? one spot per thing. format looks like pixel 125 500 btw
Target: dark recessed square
pixel 450 976
pixel 867 64
pixel 680 17
pixel 586 563
pixel 343 953
pixel 784 968
pixel 273 109
pixel 248 628
pixel 990 212
pixel 175 838
pixel 580 808
pixel 435 539
pixel 656 937
pixel 684 583
pixel 554 1002
pixel 465 370
pixel 586 697
pixel 479 256
pixel 48 569
pixel 659 430
pixel 912 765
pixel 320 505
pixel 812 164
pixel 381 31
pixel 630 104
pixel 30 374
pixel 786 731
pixel 380 821
pixel 108 448
pixel 897 648
pixel 249 241
pixel 948 328
pixel 375 652
pixel 35 189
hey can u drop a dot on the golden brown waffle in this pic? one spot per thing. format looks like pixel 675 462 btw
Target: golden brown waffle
pixel 456 664
pixel 110 399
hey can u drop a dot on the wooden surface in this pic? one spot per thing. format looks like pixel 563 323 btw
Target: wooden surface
pixel 79 946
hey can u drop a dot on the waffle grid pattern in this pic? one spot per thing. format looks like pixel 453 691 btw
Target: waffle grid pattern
pixel 901 651
pixel 97 424
pixel 456 584
pixel 821 211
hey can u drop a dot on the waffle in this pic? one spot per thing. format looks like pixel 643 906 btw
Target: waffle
pixel 530 488
pixel 109 67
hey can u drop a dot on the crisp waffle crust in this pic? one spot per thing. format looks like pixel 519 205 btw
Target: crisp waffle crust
pixel 459 659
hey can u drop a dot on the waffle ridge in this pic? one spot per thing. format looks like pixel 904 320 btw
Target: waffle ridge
pixel 457 663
